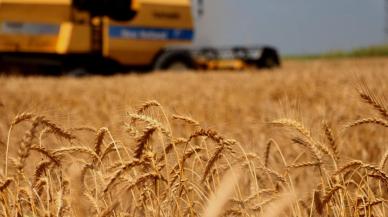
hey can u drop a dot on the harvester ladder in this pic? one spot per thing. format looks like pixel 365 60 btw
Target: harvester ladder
pixel 97 34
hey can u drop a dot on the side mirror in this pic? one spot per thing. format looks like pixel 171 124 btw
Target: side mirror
pixel 200 8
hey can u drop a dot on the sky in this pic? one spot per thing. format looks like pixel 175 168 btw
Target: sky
pixel 293 26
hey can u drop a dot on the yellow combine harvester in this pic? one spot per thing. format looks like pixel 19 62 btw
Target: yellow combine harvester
pixel 111 35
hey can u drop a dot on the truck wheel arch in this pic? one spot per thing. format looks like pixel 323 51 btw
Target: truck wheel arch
pixel 165 59
pixel 269 58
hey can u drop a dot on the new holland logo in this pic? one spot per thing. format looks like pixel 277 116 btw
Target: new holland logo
pixel 29 28
pixel 126 32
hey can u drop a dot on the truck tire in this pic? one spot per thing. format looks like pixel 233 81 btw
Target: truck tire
pixel 174 61
pixel 269 59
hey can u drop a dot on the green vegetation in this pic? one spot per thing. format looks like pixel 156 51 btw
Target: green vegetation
pixel 372 51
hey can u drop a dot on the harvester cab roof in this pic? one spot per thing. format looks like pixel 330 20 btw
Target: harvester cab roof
pixel 120 10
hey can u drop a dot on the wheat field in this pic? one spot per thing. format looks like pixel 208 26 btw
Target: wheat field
pixel 308 139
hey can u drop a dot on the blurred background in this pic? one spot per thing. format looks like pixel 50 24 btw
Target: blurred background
pixel 294 27
pixel 80 37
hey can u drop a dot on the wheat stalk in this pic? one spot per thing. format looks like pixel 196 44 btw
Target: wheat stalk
pixel 326 199
pixel 220 198
pixel 26 143
pixel 107 212
pixel 121 171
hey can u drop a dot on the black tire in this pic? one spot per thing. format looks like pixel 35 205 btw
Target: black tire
pixel 269 59
pixel 77 72
pixel 170 59
pixel 84 65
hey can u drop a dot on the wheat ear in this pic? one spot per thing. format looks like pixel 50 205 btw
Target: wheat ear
pixel 18 119
pixel 142 140
pixel 217 155
pixel 121 171
pixel 313 149
pixel 384 160
pixel 370 98
pixel 4 185
pixel 330 138
pixel 376 121
pixel 305 164
pixel 147 105
pixel 318 202
pixel 80 149
pixel 375 170
pixel 267 152
pixel 349 165
pixel 186 119
pixel 46 153
pixel 56 129
pixel 326 199
pixel 293 124
pixel 40 170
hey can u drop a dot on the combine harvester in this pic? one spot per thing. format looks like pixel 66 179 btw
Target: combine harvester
pixel 105 36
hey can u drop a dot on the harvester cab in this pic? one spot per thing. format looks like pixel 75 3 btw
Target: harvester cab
pixel 120 10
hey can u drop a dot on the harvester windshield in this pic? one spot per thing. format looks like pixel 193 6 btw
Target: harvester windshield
pixel 120 10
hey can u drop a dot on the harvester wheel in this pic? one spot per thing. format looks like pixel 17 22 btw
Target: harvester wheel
pixel 77 72
pixel 269 59
pixel 174 61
